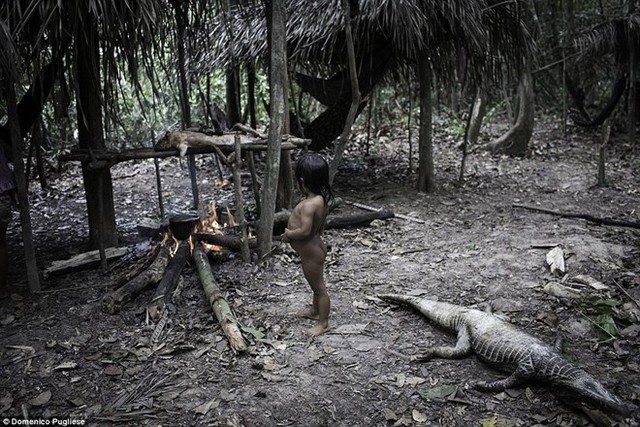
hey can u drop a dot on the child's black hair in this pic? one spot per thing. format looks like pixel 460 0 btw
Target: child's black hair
pixel 313 169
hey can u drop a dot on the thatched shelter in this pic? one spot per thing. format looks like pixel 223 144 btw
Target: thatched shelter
pixel 464 40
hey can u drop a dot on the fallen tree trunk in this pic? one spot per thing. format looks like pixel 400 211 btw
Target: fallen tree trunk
pixel 596 220
pixel 218 303
pixel 336 221
pixel 113 301
pixel 356 220
pixel 169 281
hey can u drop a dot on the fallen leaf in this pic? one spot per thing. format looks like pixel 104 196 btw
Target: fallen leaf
pixel 7 320
pixel 66 366
pixel 5 403
pixel 438 392
pixel 76 401
pixel 497 422
pixel 357 328
pixel 389 414
pixel 113 370
pixel 41 399
pixel 489 422
pixel 207 406
pixel 94 356
pixel 26 348
pixel 418 416
pixel 281 283
pixel 590 281
pixel 555 260
pixel 272 377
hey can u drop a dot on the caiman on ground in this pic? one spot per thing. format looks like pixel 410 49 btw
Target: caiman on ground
pixel 502 345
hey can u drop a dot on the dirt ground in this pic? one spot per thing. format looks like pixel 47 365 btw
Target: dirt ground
pixel 65 360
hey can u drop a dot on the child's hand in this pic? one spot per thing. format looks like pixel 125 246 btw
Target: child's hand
pixel 283 237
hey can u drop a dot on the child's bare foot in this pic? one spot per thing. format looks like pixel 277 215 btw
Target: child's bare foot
pixel 319 329
pixel 308 314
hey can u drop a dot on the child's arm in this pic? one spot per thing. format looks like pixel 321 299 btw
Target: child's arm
pixel 307 211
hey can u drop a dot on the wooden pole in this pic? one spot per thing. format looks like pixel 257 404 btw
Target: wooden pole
pixel 9 71
pixel 255 185
pixel 217 302
pixel 356 97
pixel 242 220
pixel 602 154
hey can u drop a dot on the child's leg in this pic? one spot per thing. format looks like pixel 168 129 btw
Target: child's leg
pixel 313 272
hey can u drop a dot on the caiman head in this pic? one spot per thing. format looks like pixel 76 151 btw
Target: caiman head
pixel 593 393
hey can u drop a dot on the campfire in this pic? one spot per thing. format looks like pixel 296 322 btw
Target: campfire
pixel 204 240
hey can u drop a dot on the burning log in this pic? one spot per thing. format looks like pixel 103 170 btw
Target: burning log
pixel 113 301
pixel 224 240
pixel 218 303
pixel 138 267
pixel 169 281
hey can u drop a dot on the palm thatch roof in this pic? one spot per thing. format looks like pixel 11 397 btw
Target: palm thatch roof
pixel 611 37
pixel 487 34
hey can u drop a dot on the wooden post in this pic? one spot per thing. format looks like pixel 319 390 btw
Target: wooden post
pixel 602 153
pixel 254 180
pixel 242 220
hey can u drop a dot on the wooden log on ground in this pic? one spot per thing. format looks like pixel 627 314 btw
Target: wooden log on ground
pixel 280 219
pixel 217 302
pixel 371 208
pixel 113 301
pixel 156 306
pixel 591 218
pixel 336 221
pixel 357 220
pixel 82 261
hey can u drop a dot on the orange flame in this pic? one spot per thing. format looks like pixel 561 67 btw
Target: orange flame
pixel 232 220
pixel 170 241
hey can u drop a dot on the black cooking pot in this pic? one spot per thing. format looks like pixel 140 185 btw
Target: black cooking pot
pixel 181 225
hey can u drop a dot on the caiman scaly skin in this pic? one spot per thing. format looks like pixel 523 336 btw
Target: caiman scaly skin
pixel 503 346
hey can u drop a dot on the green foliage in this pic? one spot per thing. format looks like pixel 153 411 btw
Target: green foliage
pixel 606 309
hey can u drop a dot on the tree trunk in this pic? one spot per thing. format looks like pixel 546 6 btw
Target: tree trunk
pixel 232 80
pixel 426 175
pixel 473 127
pixel 355 93
pixel 516 141
pixel 251 96
pixel 276 21
pixel 15 138
pixel 97 182
pixel 634 61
